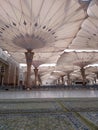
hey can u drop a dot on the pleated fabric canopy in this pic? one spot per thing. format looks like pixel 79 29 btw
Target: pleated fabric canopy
pixel 66 68
pixel 93 69
pixel 35 24
pixel 46 27
pixel 58 73
pixel 80 59
pixel 87 37
pixel 37 63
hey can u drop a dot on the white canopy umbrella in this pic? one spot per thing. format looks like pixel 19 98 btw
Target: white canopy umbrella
pixel 36 64
pixel 93 69
pixel 31 24
pixel 80 59
pixel 40 26
pixel 67 69
pixel 45 72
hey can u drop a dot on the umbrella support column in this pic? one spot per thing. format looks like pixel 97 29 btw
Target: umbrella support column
pixel 62 79
pixel 83 75
pixel 29 57
pixel 36 77
pixel 68 79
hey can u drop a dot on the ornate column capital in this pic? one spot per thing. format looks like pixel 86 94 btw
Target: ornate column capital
pixel 29 57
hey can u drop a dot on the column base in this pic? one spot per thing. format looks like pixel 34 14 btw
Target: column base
pixel 28 89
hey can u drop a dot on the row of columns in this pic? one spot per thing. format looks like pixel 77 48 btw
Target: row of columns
pixel 10 74
pixel 29 58
pixel 61 80
pixel 69 82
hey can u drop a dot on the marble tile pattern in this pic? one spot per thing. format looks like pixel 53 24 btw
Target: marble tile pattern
pixel 47 114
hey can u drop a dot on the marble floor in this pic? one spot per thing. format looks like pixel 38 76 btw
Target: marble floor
pixel 49 110
pixel 49 114
pixel 49 94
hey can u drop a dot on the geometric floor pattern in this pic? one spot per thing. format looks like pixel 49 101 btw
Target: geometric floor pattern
pixel 49 114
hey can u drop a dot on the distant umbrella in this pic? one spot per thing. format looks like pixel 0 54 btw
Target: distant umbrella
pixel 80 59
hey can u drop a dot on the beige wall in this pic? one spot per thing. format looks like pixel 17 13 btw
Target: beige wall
pixel 11 73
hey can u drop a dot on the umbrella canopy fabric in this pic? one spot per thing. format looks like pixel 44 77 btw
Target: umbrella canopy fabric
pixel 31 24
pixel 93 69
pixel 87 37
pixel 37 63
pixel 47 28
pixel 80 59
pixel 66 68
pixel 58 73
